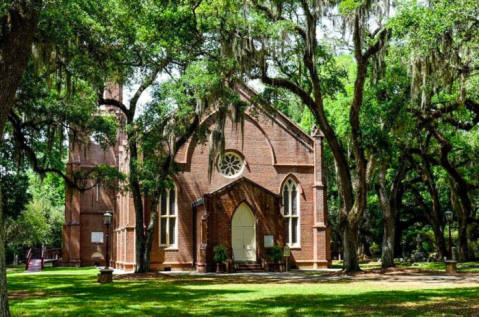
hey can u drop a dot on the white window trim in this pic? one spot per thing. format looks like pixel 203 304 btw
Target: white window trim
pixel 168 246
pixel 290 216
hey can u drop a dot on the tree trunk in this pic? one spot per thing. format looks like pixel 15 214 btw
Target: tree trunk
pixel 150 231
pixel 388 242
pixel 389 220
pixel 463 249
pixel 141 265
pixel 433 215
pixel 462 215
pixel 459 192
pixel 389 204
pixel 398 247
pixel 4 310
pixel 18 26
pixel 440 243
pixel 350 248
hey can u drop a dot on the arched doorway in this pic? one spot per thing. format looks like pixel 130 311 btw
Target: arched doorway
pixel 243 238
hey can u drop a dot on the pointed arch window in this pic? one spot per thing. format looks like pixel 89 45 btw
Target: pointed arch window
pixel 291 213
pixel 169 219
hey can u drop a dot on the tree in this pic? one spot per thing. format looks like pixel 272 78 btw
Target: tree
pixel 279 45
pixel 183 49
pixel 41 222
pixel 18 23
pixel 387 132
pixel 33 107
pixel 444 66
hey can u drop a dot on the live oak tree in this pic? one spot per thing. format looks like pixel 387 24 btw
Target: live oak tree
pixel 181 45
pixel 284 44
pixel 18 23
pixel 388 132
pixel 43 105
pixel 444 71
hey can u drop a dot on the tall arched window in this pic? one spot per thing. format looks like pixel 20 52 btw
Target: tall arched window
pixel 291 212
pixel 168 219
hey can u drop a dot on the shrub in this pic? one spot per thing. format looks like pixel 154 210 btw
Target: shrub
pixel 276 253
pixel 221 254
pixel 374 248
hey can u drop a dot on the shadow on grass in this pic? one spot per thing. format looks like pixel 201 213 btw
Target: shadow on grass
pixel 78 295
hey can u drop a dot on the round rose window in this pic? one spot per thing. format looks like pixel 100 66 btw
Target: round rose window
pixel 231 165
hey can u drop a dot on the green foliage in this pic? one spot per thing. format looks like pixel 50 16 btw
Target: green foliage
pixel 276 253
pixel 41 222
pixel 221 253
pixel 15 194
pixel 235 295
pixel 349 6
pixel 429 65
pixel 375 249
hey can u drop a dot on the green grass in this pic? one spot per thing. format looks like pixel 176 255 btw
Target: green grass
pixel 73 292
pixel 465 267
pixel 471 267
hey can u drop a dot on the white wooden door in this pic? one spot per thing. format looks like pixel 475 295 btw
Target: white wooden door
pixel 243 234
pixel 237 243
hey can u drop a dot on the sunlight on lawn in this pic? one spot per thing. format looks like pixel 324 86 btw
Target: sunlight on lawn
pixel 471 267
pixel 73 292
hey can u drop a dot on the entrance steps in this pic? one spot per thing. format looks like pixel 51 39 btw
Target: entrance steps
pixel 248 268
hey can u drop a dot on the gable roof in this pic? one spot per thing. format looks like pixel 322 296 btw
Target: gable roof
pixel 238 181
pixel 279 117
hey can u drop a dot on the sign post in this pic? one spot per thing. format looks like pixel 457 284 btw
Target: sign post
pixel 287 254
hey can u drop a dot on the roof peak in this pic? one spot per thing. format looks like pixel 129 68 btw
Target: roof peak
pixel 240 180
pixel 249 93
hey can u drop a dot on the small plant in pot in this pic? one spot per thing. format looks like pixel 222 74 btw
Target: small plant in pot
pixel 276 254
pixel 220 256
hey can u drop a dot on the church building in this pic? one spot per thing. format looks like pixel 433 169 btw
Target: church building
pixel 267 190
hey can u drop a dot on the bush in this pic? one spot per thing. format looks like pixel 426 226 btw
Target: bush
pixel 221 254
pixel 10 254
pixel 374 248
pixel 276 253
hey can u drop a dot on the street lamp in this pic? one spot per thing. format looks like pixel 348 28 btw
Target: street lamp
pixel 449 217
pixel 107 221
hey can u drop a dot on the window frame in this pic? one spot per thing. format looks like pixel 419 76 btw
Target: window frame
pixel 289 184
pixel 168 216
pixel 239 156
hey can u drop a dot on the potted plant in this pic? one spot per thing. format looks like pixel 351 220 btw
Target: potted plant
pixel 276 254
pixel 220 256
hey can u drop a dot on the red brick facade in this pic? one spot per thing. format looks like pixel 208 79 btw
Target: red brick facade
pixel 273 150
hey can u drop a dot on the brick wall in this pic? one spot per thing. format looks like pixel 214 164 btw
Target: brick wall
pixel 274 149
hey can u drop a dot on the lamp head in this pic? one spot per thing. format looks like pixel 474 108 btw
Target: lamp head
pixel 107 216
pixel 449 215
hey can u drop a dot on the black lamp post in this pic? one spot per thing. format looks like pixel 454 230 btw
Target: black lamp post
pixel 107 221
pixel 449 216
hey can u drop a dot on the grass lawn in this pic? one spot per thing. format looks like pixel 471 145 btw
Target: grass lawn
pixel 73 292
pixel 464 267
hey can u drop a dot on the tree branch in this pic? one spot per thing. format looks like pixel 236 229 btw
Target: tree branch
pixel 274 17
